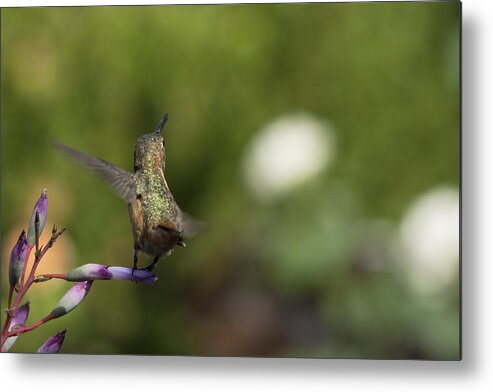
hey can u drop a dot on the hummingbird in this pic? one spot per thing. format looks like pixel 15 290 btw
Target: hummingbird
pixel 158 224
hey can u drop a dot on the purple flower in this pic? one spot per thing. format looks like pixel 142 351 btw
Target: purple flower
pixel 21 315
pixel 71 299
pixel 41 208
pixel 123 273
pixel 19 319
pixel 104 272
pixel 53 343
pixel 17 259
pixel 88 272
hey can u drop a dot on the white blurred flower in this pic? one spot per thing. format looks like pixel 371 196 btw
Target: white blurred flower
pixel 286 153
pixel 429 233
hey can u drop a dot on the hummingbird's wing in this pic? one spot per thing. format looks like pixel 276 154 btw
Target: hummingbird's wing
pixel 190 226
pixel 120 180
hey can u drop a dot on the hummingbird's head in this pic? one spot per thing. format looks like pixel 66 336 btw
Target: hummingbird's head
pixel 149 149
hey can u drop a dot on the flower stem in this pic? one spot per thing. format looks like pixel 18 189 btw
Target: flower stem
pixel 28 328
pixel 45 277
pixel 25 287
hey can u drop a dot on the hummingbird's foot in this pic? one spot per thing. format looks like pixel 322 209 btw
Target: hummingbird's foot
pixel 151 266
pixel 136 259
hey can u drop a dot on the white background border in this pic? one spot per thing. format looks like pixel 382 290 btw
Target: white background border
pixel 473 373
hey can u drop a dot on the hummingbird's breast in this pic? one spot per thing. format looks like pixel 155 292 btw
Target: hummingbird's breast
pixel 158 204
pixel 154 214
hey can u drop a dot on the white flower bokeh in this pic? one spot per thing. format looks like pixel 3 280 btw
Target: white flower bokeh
pixel 429 235
pixel 286 153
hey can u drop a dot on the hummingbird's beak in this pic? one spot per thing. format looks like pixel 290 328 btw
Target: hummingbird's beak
pixel 161 124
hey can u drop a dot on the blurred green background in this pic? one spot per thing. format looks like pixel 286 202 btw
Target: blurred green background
pixel 318 142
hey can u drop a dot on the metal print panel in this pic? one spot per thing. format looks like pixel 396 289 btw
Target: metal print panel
pixel 271 180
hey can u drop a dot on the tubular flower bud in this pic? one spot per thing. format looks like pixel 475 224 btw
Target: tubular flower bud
pixel 89 272
pixel 104 272
pixel 19 319
pixel 71 299
pixel 123 273
pixel 41 207
pixel 17 259
pixel 53 343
